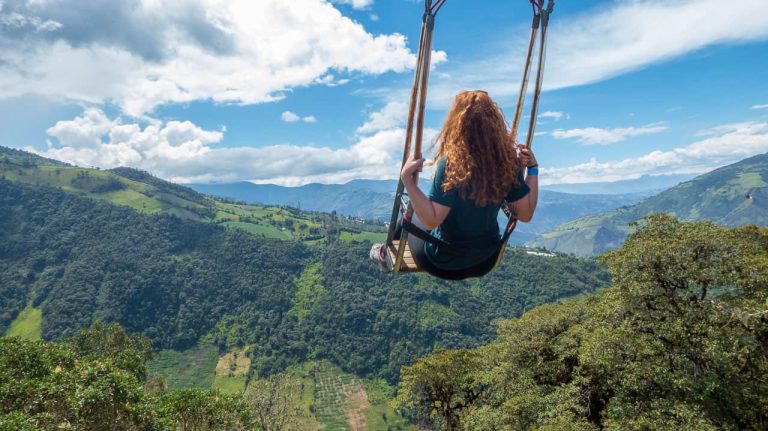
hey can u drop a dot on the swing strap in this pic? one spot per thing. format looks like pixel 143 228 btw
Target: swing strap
pixel 425 236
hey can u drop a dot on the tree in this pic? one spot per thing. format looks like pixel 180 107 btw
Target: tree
pixel 271 401
pixel 439 387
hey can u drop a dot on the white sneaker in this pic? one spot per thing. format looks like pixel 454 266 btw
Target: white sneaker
pixel 378 254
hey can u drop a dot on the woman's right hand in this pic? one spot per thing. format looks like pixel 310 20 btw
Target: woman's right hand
pixel 410 168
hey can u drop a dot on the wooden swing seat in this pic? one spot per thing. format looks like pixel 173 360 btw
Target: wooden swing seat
pixel 408 264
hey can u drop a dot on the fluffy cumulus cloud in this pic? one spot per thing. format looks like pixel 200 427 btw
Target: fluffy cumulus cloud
pixel 721 145
pixel 181 151
pixel 393 115
pixel 290 117
pixel 390 121
pixel 598 136
pixel 143 53
pixel 614 38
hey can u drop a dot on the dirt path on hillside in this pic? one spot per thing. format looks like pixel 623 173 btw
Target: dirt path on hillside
pixel 357 399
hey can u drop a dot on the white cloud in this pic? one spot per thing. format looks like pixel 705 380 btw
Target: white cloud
pixel 290 117
pixel 723 129
pixel 184 153
pixel 233 51
pixel 634 34
pixel 393 115
pixel 610 40
pixel 732 143
pixel 760 106
pixel 555 115
pixel 597 136
pixel 357 4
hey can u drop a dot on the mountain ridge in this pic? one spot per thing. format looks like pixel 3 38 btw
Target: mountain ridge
pixel 731 195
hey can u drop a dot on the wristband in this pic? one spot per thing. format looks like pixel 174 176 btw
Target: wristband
pixel 533 170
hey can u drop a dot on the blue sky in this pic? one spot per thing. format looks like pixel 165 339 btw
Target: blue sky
pixel 315 91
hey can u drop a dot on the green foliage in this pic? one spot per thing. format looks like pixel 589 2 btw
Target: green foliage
pixel 678 342
pixel 129 352
pixel 440 386
pixel 201 410
pixel 309 289
pixel 272 401
pixel 51 387
pixel 177 281
pixel 86 383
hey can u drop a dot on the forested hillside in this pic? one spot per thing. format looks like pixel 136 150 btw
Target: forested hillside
pixel 733 195
pixel 176 280
pixel 678 342
pixel 150 195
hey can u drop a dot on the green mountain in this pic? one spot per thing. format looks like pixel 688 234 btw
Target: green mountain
pixel 733 195
pixel 150 195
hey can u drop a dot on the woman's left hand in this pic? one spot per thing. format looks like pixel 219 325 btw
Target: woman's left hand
pixel 410 168
pixel 527 158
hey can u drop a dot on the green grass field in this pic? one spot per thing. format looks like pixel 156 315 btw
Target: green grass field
pixel 232 371
pixel 268 231
pixel 347 236
pixel 193 368
pixel 28 324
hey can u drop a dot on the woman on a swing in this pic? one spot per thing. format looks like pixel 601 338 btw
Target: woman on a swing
pixel 478 166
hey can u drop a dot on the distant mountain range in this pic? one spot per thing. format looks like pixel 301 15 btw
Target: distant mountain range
pixel 644 184
pixel 372 199
pixel 733 195
pixel 361 198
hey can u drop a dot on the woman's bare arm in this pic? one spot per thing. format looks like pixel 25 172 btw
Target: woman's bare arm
pixel 430 213
pixel 526 206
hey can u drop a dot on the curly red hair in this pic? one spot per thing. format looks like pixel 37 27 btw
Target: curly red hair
pixel 480 156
